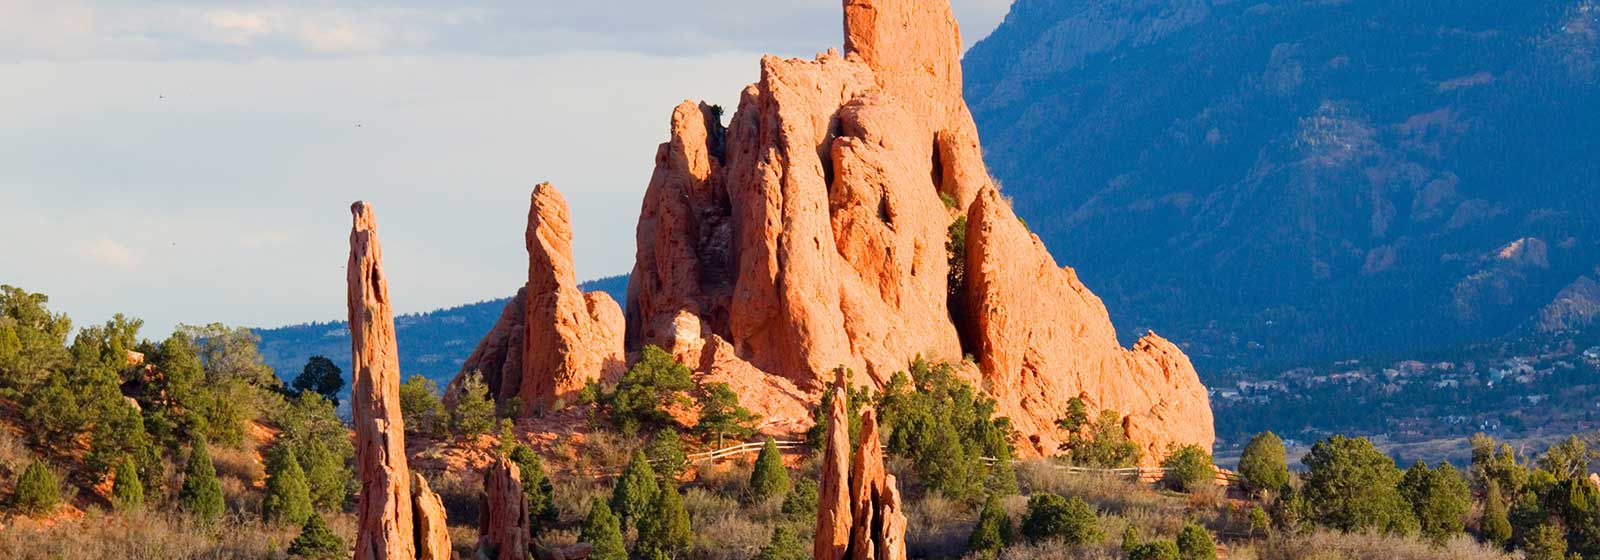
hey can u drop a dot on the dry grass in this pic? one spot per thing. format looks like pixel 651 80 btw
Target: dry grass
pixel 155 536
pixel 1330 545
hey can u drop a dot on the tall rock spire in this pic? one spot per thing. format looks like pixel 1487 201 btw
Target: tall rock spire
pixel 389 501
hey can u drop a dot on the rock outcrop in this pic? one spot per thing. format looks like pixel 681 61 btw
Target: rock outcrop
pixel 503 527
pixel 815 231
pixel 432 532
pixel 859 512
pixel 389 502
pixel 552 339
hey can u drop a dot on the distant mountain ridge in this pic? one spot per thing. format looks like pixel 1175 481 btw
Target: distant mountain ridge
pixel 433 344
pixel 1279 182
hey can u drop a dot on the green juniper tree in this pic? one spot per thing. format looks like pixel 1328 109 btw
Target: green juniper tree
pixel 1351 486
pixel 1195 543
pixel 201 494
pixel 635 491
pixel 537 491
pixel 784 545
pixel 1188 469
pixel 1439 498
pixel 288 494
pixel 1496 524
pixel 317 541
pixel 769 479
pixel 127 490
pixel 603 531
pixel 1264 465
pixel 320 375
pixel 665 531
pixel 992 531
pixel 420 407
pixel 665 452
pixel 1052 517
pixel 473 414
pixel 38 491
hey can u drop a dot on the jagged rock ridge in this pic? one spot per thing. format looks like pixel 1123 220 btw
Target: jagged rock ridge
pixel 814 232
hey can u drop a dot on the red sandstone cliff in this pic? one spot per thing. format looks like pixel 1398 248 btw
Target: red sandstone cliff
pixel 811 233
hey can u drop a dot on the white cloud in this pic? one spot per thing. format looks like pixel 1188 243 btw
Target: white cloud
pixel 239 28
pixel 110 252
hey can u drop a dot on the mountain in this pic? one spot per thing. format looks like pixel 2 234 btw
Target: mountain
pixel 433 344
pixel 1286 181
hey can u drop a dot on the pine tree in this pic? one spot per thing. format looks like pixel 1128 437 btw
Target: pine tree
pixel 993 530
pixel 420 407
pixel 201 494
pixel 474 411
pixel 721 416
pixel 769 479
pixel 603 531
pixel 1496 524
pixel 326 475
pixel 127 491
pixel 317 541
pixel 1130 539
pixel 636 490
pixel 802 499
pixel 665 531
pixel 38 491
pixel 288 498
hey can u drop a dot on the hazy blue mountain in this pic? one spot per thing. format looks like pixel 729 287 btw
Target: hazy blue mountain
pixel 1281 181
pixel 433 344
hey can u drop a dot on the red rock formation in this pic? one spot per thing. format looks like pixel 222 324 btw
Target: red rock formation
pixel 384 506
pixel 398 516
pixel 1042 338
pixel 834 508
pixel 552 339
pixel 811 234
pixel 503 527
pixel 859 513
pixel 432 532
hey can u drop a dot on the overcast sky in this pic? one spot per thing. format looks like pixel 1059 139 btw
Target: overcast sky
pixel 191 161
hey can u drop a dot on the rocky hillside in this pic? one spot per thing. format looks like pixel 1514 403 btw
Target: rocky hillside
pixel 1272 182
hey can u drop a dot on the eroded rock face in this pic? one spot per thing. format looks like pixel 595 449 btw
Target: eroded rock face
pixel 834 508
pixel 552 339
pixel 503 527
pixel 811 233
pixel 384 506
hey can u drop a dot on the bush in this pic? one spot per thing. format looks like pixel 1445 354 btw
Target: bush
pixel 802 499
pixel 1548 542
pixel 1052 517
pixel 38 491
pixel 721 416
pixel 1439 498
pixel 665 452
pixel 420 408
pixel 635 492
pixel 785 545
pixel 946 428
pixel 1106 446
pixel 1260 522
pixel 1351 486
pixel 474 412
pixel 288 495
pixel 1155 550
pixel 317 541
pixel 1264 466
pixel 665 531
pixel 1188 469
pixel 992 531
pixel 769 479
pixel 127 491
pixel 201 494
pixel 1194 543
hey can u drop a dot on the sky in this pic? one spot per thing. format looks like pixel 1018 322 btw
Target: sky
pixel 193 161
